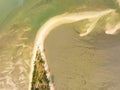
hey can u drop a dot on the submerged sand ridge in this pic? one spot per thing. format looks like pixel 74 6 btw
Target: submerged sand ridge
pixel 64 19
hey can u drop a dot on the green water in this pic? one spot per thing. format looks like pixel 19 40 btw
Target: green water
pixel 19 23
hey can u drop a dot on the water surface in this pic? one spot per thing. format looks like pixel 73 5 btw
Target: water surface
pixel 83 63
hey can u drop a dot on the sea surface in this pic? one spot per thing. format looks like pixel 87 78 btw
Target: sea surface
pixel 83 63
pixel 76 63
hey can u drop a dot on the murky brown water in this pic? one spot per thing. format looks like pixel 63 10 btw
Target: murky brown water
pixel 83 63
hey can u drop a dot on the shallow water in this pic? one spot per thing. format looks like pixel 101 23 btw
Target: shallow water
pixel 63 47
pixel 83 63
pixel 15 56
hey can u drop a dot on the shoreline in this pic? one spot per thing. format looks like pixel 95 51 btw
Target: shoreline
pixel 53 23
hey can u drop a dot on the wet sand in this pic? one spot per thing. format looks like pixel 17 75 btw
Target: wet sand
pixel 83 63
pixel 15 56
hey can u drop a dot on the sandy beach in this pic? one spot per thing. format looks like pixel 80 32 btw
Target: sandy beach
pixel 60 20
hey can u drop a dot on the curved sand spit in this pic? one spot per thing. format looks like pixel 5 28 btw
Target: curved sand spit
pixel 57 21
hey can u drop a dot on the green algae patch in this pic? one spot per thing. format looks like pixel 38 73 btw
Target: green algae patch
pixel 39 80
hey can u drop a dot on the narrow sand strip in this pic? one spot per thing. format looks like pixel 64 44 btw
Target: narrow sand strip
pixel 57 21
pixel 113 30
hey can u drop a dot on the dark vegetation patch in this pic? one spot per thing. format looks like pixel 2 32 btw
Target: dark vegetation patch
pixel 39 80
